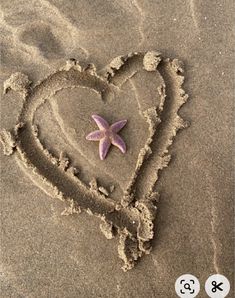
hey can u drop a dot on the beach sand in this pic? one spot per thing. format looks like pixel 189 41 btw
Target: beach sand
pixel 73 225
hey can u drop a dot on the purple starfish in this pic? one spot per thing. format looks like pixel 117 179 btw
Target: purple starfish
pixel 107 135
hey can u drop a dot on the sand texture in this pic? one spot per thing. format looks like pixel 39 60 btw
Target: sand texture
pixel 163 208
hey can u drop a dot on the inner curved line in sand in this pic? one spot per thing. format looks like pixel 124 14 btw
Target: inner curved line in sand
pixel 70 141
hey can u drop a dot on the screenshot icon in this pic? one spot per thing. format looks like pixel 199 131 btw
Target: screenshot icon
pixel 187 286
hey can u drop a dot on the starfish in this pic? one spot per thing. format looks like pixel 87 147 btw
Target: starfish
pixel 107 135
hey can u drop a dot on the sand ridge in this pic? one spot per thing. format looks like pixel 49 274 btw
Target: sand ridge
pixel 132 216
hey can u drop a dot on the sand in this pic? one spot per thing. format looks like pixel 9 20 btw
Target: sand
pixel 167 204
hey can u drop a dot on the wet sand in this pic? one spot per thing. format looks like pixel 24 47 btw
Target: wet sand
pixel 174 197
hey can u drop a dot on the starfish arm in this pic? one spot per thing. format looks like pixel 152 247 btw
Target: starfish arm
pixel 104 147
pixel 96 135
pixel 117 126
pixel 118 142
pixel 101 122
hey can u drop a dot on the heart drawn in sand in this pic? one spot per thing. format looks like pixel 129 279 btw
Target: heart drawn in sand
pixel 50 140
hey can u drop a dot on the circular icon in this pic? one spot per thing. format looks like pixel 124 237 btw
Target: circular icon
pixel 187 286
pixel 217 286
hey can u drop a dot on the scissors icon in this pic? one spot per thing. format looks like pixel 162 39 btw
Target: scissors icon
pixel 216 286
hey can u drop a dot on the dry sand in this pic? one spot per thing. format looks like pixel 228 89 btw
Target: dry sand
pixel 177 198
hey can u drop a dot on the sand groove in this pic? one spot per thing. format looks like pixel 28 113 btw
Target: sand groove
pixel 133 216
pixel 171 122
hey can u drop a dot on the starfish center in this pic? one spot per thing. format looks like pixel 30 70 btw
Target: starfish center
pixel 108 133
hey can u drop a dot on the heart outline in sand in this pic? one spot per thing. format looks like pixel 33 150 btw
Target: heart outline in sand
pixel 133 218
